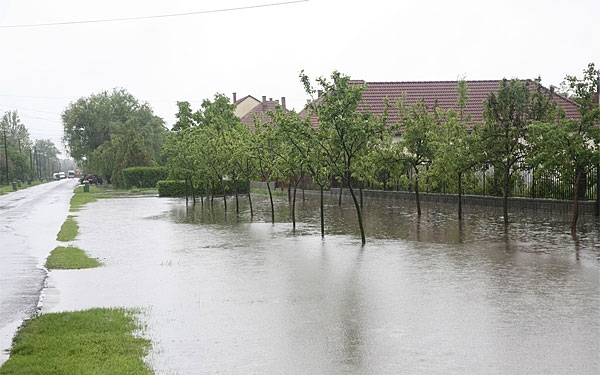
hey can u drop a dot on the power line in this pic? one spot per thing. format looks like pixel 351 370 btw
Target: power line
pixel 152 17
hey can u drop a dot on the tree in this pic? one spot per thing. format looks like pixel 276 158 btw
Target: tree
pixel 346 133
pixel 16 147
pixel 45 156
pixel 568 146
pixel 453 146
pixel 109 132
pixel 507 114
pixel 415 149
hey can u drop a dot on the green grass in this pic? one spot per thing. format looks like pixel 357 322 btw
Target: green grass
pixel 68 230
pixel 70 258
pixel 92 342
pixel 80 198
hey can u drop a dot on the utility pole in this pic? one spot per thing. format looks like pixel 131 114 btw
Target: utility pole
pixel 6 155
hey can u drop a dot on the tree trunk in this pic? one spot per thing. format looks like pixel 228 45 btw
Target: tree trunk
pixel 294 208
pixel 272 205
pixel 224 195
pixel 417 192
pixel 237 203
pixel 340 196
pixel 186 191
pixel 505 194
pixel 575 203
pixel 322 213
pixel 358 214
pixel 459 196
pixel 250 200
pixel 361 196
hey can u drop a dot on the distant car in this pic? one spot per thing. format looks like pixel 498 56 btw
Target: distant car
pixel 56 176
pixel 62 175
pixel 91 179
pixel 71 174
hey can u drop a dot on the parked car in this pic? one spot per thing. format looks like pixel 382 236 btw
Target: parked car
pixel 91 179
pixel 62 175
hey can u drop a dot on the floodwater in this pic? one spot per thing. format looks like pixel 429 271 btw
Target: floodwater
pixel 220 293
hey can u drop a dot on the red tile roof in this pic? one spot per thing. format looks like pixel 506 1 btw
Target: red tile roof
pixel 260 112
pixel 442 92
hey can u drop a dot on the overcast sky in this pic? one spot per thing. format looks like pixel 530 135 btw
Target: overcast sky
pixel 261 50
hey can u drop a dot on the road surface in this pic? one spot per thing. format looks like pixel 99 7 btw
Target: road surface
pixel 29 222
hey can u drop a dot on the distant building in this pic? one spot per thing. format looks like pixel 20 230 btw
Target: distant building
pixel 442 93
pixel 248 108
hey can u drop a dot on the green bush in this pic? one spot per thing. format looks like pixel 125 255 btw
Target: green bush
pixel 171 188
pixel 176 188
pixel 143 177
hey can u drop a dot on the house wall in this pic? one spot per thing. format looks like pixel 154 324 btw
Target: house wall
pixel 245 106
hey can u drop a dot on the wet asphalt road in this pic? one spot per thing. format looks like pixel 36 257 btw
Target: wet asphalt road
pixel 29 222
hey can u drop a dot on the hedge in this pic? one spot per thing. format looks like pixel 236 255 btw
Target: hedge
pixel 143 177
pixel 176 188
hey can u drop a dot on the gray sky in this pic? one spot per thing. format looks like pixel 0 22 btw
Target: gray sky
pixel 261 50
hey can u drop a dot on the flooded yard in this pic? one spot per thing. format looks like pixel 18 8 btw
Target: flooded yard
pixel 220 293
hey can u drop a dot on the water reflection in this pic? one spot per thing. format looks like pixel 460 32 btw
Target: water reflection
pixel 224 293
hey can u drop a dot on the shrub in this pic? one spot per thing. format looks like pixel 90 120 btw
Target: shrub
pixel 143 177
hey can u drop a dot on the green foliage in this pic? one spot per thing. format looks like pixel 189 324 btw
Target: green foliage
pixel 70 258
pixel 346 135
pixel 93 342
pixel 177 188
pixel 81 198
pixel 143 177
pixel 68 230
pixel 16 150
pixel 109 132
pixel 172 188
pixel 206 146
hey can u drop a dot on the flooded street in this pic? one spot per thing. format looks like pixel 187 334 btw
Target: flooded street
pixel 220 293
pixel 29 222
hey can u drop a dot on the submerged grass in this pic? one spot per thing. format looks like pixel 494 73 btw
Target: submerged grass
pixel 80 198
pixel 93 342
pixel 68 230
pixel 70 258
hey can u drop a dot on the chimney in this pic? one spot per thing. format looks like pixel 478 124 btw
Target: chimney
pixel 283 102
pixel 234 98
pixel 264 99
pixel 270 99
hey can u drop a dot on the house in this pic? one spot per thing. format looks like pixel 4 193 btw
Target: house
pixel 248 108
pixel 443 93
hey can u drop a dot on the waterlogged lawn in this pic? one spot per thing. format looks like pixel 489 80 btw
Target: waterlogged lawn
pixel 92 342
pixel 68 230
pixel 80 198
pixel 70 258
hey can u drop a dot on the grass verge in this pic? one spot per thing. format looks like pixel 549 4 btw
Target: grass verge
pixel 80 198
pixel 70 258
pixel 93 342
pixel 68 230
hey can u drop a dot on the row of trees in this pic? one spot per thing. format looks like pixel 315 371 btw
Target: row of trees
pixel 22 158
pixel 337 142
pixel 523 129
